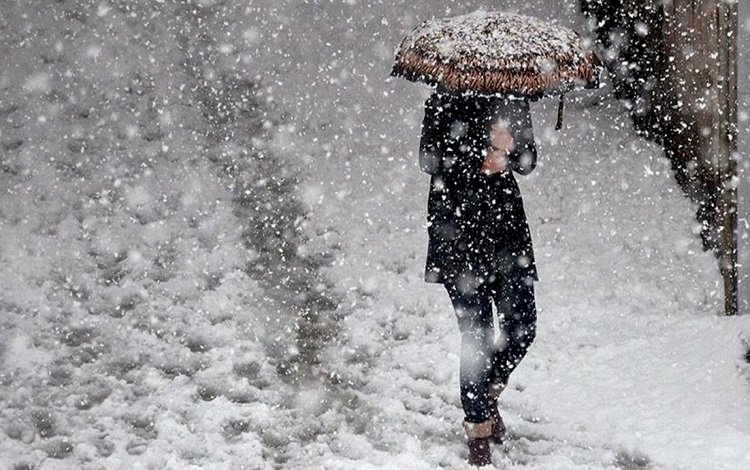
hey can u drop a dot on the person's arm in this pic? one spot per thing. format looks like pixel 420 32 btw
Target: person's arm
pixel 522 158
pixel 431 145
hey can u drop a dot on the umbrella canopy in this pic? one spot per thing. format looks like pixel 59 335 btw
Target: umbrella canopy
pixel 494 52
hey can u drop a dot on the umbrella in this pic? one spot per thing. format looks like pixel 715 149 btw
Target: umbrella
pixel 498 53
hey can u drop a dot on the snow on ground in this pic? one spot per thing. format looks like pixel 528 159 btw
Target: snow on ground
pixel 147 234
pixel 632 366
pixel 141 327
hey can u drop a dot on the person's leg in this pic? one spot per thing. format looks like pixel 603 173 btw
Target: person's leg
pixel 474 314
pixel 516 307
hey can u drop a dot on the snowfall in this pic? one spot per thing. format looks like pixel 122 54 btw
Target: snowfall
pixel 212 242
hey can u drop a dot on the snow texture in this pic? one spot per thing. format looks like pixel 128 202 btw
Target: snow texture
pixel 497 52
pixel 212 237
pixel 498 40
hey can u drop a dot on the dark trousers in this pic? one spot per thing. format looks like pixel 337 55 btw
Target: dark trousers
pixel 483 360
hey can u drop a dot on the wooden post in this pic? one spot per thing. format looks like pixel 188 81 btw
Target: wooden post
pixel 701 43
pixel 687 70
pixel 726 146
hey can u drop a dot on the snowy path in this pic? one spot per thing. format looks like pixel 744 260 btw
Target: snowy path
pixel 631 366
pixel 146 345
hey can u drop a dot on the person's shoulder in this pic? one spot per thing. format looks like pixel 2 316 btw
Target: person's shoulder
pixel 440 103
pixel 510 102
pixel 439 97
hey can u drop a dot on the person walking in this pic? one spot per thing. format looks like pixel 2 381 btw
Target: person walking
pixel 476 133
pixel 480 246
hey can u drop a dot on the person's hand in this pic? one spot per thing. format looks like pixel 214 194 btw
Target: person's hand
pixel 494 162
pixel 496 158
pixel 501 138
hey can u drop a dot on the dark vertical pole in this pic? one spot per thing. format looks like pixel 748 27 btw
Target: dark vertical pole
pixel 560 107
pixel 727 149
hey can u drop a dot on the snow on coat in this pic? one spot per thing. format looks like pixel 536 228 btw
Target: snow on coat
pixel 476 223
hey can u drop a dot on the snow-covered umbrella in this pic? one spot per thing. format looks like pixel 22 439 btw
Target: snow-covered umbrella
pixel 498 53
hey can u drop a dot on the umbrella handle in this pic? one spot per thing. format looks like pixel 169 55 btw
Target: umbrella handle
pixel 560 108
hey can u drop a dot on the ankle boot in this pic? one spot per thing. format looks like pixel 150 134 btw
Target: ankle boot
pixel 498 427
pixel 478 439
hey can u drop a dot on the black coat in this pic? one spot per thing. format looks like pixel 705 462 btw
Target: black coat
pixel 476 223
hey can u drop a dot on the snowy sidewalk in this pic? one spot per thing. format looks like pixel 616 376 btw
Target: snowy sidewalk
pixel 133 337
pixel 632 366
